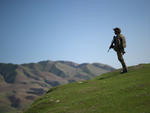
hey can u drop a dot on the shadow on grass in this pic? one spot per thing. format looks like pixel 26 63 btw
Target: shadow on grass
pixel 52 89
pixel 110 75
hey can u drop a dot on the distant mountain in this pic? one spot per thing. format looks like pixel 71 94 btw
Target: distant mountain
pixel 21 84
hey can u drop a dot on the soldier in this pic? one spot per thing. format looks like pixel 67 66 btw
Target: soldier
pixel 118 44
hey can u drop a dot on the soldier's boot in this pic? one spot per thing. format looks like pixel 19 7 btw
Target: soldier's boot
pixel 125 70
pixel 124 67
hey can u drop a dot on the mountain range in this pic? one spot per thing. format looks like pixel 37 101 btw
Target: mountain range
pixel 21 84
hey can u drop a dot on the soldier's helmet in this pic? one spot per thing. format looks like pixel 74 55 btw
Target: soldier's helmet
pixel 117 30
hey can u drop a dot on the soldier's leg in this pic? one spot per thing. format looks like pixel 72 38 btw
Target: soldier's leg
pixel 120 58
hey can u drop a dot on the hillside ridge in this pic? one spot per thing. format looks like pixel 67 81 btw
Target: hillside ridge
pixel 109 93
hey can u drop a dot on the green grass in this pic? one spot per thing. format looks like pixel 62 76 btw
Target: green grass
pixel 109 93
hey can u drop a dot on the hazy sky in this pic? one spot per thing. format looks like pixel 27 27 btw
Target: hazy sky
pixel 73 30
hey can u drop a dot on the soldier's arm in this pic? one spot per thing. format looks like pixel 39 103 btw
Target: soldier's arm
pixel 121 42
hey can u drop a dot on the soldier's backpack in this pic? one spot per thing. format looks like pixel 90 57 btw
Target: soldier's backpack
pixel 123 41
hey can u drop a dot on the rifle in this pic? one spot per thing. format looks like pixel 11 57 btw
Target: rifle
pixel 111 46
pixel 108 50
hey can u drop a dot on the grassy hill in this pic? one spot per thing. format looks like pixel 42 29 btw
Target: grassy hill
pixel 109 93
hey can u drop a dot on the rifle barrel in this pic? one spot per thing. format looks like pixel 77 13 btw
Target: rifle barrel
pixel 108 50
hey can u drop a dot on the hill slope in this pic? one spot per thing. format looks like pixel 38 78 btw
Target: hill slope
pixel 22 84
pixel 108 93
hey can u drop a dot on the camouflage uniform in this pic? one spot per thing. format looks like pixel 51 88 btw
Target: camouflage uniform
pixel 118 44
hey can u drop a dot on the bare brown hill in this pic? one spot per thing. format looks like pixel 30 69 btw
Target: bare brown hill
pixel 21 84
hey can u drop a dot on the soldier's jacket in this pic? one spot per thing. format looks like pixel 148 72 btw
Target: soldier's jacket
pixel 118 42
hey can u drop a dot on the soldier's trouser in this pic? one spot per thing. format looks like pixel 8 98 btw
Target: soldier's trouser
pixel 120 58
